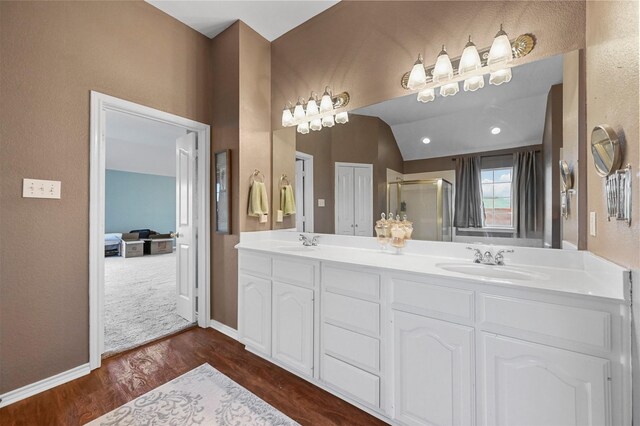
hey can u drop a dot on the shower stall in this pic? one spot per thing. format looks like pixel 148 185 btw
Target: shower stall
pixel 427 203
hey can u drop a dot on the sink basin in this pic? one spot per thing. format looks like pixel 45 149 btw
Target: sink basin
pixel 299 249
pixel 492 271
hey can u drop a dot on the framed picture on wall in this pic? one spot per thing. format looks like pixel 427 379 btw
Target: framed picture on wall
pixel 222 189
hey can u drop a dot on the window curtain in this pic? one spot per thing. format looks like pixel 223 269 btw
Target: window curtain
pixel 528 194
pixel 469 212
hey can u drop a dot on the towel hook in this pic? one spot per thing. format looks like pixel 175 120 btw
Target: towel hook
pixel 257 176
pixel 284 180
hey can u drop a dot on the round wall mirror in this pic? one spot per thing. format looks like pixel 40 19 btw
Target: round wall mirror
pixel 606 150
pixel 566 175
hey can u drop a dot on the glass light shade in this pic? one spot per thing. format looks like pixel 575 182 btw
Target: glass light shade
pixel 312 107
pixel 501 76
pixel 328 121
pixel 449 89
pixel 342 117
pixel 303 128
pixel 298 111
pixel 426 95
pixel 287 117
pixel 443 70
pixel 473 83
pixel 470 60
pixel 500 49
pixel 418 75
pixel 316 124
pixel 326 104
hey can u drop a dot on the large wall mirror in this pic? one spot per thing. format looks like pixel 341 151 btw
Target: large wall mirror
pixel 477 167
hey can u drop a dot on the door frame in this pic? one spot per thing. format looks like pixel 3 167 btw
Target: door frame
pixel 100 104
pixel 308 189
pixel 335 188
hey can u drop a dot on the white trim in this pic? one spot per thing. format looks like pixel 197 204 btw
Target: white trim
pixel 100 103
pixel 43 385
pixel 309 200
pixel 224 329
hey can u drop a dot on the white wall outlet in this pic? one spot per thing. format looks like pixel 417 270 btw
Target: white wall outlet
pixel 36 188
pixel 592 224
pixel 320 202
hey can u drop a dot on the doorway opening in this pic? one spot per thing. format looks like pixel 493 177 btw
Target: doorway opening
pixel 304 192
pixel 149 274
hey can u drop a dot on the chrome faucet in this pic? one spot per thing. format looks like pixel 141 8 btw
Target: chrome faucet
pixel 309 242
pixel 488 258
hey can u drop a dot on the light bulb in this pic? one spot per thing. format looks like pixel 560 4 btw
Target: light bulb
pixel 418 75
pixel 328 121
pixel 449 89
pixel 342 117
pixel 500 49
pixel 473 83
pixel 287 117
pixel 316 124
pixel 326 104
pixel 298 111
pixel 495 130
pixel 426 140
pixel 303 128
pixel 501 76
pixel 426 95
pixel 443 70
pixel 312 106
pixel 470 60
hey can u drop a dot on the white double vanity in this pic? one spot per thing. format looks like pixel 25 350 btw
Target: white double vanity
pixel 429 338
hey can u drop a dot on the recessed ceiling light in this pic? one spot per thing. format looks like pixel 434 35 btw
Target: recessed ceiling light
pixel 495 130
pixel 426 140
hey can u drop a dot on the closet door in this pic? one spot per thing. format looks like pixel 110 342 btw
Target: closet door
pixel 344 200
pixel 363 195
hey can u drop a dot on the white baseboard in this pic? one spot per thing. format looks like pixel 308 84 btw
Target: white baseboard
pixel 224 329
pixel 43 385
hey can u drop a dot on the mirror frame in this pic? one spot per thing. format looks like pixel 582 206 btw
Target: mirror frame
pixel 613 139
pixel 566 175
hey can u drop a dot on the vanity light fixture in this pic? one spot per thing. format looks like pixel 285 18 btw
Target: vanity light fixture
pixel 426 140
pixel 470 68
pixel 309 116
pixel 495 130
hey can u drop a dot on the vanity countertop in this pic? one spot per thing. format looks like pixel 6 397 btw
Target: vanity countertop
pixel 588 276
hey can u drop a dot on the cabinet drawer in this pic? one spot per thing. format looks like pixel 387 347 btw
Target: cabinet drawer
pixel 352 283
pixel 546 322
pixel 294 271
pixel 352 347
pixel 255 263
pixel 351 380
pixel 358 315
pixel 430 299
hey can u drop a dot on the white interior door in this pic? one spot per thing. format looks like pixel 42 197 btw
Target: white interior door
pixel 300 198
pixel 344 199
pixel 363 206
pixel 185 226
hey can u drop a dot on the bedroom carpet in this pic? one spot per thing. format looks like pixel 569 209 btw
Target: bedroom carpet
pixel 140 301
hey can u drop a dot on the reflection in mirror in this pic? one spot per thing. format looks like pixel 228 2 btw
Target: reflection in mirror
pixel 478 167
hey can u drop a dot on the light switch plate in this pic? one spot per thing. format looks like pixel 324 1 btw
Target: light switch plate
pixel 37 188
pixel 320 202
pixel 592 224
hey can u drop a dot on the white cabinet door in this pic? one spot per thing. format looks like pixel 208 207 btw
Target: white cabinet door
pixel 254 307
pixel 433 369
pixel 363 193
pixel 530 384
pixel 293 326
pixel 344 201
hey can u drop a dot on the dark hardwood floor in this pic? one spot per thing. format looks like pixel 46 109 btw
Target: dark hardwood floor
pixel 128 375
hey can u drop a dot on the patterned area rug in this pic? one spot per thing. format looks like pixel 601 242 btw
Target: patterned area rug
pixel 140 301
pixel 203 396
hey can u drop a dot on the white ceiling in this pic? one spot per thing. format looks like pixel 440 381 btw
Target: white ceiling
pixel 141 145
pixel 268 18
pixel 461 124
